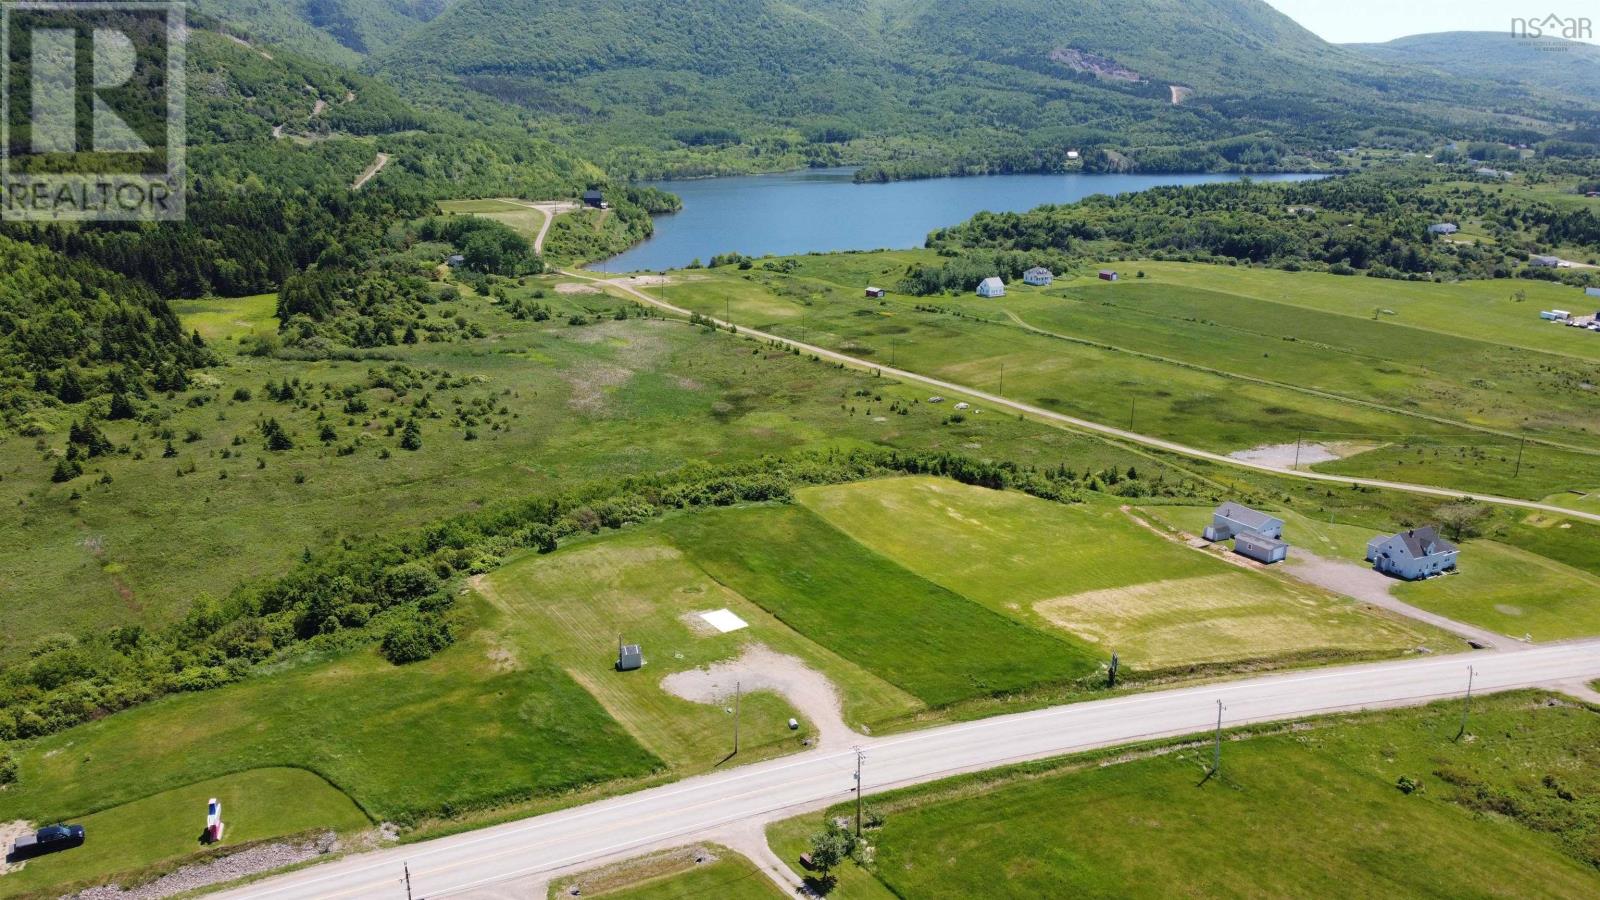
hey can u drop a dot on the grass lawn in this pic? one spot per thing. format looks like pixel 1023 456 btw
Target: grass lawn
pixel 1508 813
pixel 1485 310
pixel 569 403
pixel 728 877
pixel 1221 369
pixel 572 605
pixel 524 219
pixel 1575 543
pixel 221 319
pixel 1513 592
pixel 1091 572
pixel 927 640
pixel 162 829
pixel 515 730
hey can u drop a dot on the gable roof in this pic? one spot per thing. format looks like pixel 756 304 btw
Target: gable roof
pixel 1038 270
pixel 1244 515
pixel 991 283
pixel 1424 541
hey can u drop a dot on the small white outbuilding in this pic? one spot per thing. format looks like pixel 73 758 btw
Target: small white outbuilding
pixel 992 287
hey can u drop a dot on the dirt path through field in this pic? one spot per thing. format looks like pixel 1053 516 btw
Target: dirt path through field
pixel 376 167
pixel 1074 423
pixel 760 668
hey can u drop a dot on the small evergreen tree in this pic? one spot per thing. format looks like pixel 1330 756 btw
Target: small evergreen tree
pixel 411 438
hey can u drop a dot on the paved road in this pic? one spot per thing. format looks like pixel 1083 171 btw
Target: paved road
pixel 628 287
pixel 681 812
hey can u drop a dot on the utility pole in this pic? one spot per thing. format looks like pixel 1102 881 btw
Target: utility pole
pixel 1297 439
pixel 736 698
pixel 1520 447
pixel 1216 753
pixel 408 880
pixel 860 755
pixel 1132 408
pixel 1466 704
pixel 1002 390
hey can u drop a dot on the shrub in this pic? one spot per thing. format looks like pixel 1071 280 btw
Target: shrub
pixel 414 639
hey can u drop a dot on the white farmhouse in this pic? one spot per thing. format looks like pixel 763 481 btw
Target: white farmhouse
pixel 1412 554
pixel 1038 276
pixel 992 287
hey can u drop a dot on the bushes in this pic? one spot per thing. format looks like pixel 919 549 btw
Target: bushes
pixel 394 591
pixel 415 638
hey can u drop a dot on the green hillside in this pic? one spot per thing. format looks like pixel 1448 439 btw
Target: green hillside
pixel 922 89
pixel 1546 64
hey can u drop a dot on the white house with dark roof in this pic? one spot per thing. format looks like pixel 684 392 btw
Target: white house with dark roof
pixel 1233 519
pixel 1443 228
pixel 1412 554
pixel 992 287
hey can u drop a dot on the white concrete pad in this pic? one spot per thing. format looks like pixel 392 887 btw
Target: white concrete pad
pixel 724 620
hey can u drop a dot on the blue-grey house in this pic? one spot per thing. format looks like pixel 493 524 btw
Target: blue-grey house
pixel 1038 276
pixel 1412 554
pixel 1233 519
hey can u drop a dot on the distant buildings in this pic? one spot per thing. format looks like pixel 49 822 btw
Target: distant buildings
pixel 1108 274
pixel 875 292
pixel 1073 154
pixel 1547 261
pixel 992 287
pixel 1591 292
pixel 455 260
pixel 1412 554
pixel 1038 276
pixel 593 199
pixel 1555 315
pixel 1443 228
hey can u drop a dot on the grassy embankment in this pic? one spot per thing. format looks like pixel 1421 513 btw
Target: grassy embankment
pixel 1508 812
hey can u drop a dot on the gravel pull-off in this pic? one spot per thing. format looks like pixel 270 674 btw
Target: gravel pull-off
pixel 760 668
pixel 9 832
pixel 255 860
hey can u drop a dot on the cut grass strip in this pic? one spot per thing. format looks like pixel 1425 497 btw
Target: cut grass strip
pixel 927 640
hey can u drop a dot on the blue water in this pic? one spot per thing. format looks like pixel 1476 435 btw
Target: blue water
pixel 823 210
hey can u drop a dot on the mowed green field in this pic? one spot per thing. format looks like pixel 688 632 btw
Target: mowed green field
pixel 1505 814
pixel 1227 369
pixel 927 640
pixel 572 605
pixel 727 877
pixel 1093 573
pixel 141 535
pixel 257 805
pixel 524 219
pixel 1512 591
pixel 515 729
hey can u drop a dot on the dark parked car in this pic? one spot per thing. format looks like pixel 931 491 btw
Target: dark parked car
pixel 48 839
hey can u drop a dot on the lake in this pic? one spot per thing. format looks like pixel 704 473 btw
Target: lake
pixel 820 210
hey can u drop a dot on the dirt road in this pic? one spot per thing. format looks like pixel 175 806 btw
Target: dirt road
pixel 376 167
pixel 551 209
pixel 1060 420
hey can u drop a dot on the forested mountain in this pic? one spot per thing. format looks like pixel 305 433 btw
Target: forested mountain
pixel 947 87
pixel 1547 64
